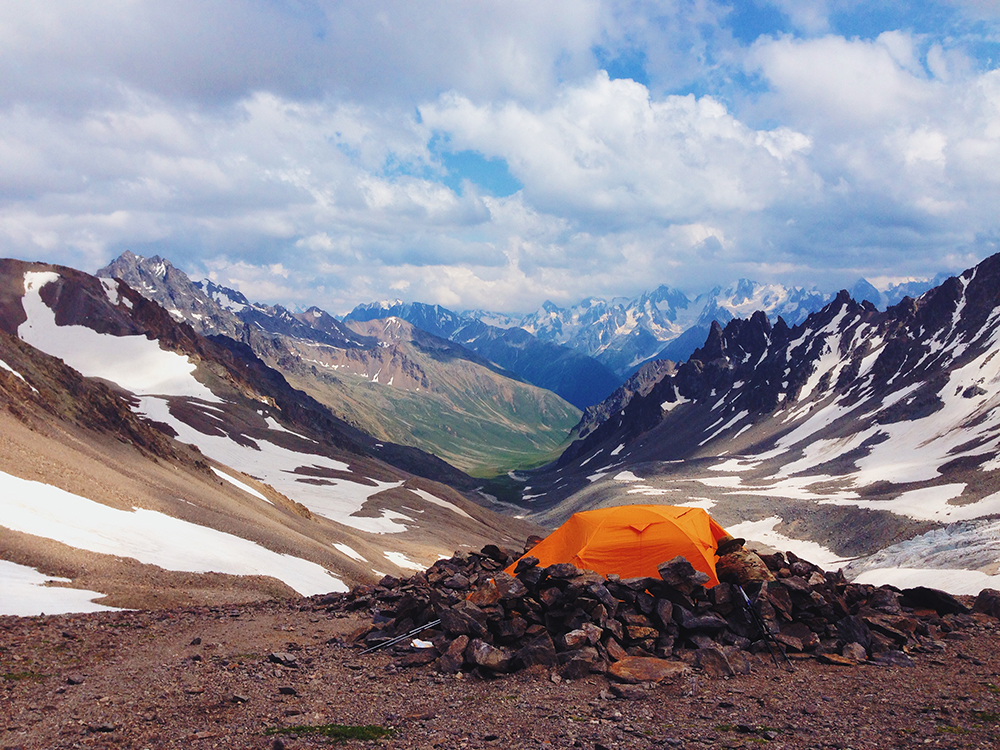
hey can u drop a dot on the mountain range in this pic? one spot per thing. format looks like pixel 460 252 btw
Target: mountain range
pixel 393 381
pixel 621 334
pixel 157 467
pixel 861 437
pixel 576 377
pixel 171 442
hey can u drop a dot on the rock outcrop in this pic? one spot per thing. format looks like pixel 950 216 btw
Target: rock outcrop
pixel 479 618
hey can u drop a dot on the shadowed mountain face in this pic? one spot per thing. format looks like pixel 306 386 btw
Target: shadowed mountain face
pixel 389 380
pixel 623 334
pixel 866 432
pixel 144 461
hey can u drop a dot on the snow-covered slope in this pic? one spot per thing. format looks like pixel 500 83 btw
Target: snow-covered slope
pixel 145 462
pixel 872 433
pixel 665 323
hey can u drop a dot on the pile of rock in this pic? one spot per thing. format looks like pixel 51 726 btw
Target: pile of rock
pixel 578 622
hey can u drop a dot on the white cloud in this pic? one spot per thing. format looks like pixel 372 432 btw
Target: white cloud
pixel 607 150
pixel 836 83
pixel 234 136
pixel 383 50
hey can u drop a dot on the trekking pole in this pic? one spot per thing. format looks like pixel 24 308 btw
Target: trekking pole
pixel 403 637
pixel 765 631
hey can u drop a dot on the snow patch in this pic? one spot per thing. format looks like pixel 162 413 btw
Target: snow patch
pixel 149 536
pixel 678 400
pixel 135 363
pixel 402 561
pixel 763 531
pixel 433 500
pixel 23 593
pixel 110 289
pixel 237 483
pixel 698 502
pixel 627 476
pixel 349 551
pixel 645 489
pixel 274 424
pixel 16 374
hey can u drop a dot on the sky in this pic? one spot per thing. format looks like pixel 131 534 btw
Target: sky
pixel 499 154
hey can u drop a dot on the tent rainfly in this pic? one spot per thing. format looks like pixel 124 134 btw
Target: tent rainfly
pixel 632 540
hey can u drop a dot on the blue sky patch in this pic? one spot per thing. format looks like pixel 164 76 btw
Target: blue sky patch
pixel 492 175
pixel 750 20
pixel 629 63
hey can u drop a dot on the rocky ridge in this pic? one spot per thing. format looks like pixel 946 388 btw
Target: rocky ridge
pixel 869 433
pixel 477 617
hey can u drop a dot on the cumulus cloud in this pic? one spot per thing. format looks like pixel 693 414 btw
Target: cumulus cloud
pixel 76 52
pixel 839 84
pixel 607 152
pixel 299 151
pixel 906 140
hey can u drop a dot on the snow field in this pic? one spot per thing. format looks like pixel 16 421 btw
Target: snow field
pixel 931 504
pixel 275 465
pixel 135 363
pixel 148 536
pixel 953 581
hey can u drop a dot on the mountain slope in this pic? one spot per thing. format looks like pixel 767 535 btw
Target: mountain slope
pixel 143 461
pixel 413 389
pixel 438 395
pixel 574 376
pixel 873 434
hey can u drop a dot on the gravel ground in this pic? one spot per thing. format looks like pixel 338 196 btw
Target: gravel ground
pixel 204 678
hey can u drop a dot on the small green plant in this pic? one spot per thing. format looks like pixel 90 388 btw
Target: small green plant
pixel 952 730
pixel 993 688
pixel 15 676
pixel 337 732
pixel 985 716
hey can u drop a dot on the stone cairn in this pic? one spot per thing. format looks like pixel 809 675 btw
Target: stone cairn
pixel 573 622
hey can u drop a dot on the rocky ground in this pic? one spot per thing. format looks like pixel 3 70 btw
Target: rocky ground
pixel 231 677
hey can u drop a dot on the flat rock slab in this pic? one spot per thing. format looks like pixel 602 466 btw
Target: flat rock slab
pixel 836 659
pixel 636 669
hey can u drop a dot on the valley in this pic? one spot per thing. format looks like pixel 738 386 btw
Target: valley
pixel 315 453
pixel 388 378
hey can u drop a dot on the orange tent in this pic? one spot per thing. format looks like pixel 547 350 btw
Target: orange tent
pixel 632 540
